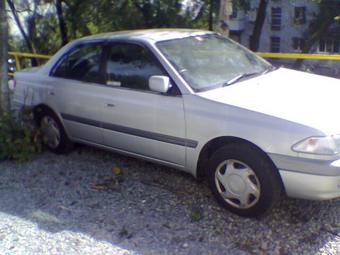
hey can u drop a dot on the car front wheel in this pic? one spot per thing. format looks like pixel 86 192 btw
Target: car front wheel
pixel 243 180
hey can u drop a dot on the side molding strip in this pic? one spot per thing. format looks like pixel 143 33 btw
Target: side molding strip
pixel 133 131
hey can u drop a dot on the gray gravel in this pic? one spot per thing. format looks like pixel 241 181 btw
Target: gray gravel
pixel 76 204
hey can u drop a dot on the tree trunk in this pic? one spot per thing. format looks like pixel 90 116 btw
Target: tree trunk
pixel 62 25
pixel 29 44
pixel 260 17
pixel 225 11
pixel 200 13
pixel 22 31
pixel 4 96
pixel 211 17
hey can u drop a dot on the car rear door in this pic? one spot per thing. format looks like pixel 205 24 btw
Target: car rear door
pixel 138 120
pixel 78 91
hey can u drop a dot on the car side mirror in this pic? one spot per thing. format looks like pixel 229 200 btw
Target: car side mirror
pixel 159 83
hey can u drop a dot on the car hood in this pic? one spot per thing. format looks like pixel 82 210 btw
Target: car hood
pixel 308 99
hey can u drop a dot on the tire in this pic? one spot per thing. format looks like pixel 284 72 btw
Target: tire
pixel 244 180
pixel 53 135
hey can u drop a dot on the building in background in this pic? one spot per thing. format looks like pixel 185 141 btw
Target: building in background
pixel 285 29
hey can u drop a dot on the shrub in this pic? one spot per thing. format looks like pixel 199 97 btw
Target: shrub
pixel 19 139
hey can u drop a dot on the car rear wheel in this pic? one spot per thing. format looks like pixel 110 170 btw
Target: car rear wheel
pixel 53 134
pixel 243 180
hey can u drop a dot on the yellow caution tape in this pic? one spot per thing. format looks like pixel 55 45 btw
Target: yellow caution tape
pixel 29 55
pixel 299 56
pixel 261 54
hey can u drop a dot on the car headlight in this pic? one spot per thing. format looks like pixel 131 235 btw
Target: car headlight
pixel 327 145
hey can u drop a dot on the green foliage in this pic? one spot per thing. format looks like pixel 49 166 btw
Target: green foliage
pixel 46 38
pixel 19 140
pixel 241 4
pixel 324 24
pixel 84 17
pixel 328 13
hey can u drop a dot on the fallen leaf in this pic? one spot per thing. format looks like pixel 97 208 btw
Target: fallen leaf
pixel 116 170
pixel 107 184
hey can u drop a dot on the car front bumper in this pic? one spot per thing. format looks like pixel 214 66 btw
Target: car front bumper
pixel 308 186
pixel 309 178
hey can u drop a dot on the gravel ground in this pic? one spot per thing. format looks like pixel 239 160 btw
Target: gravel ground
pixel 80 204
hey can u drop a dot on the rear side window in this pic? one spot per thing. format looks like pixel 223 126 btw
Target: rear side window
pixel 131 66
pixel 82 63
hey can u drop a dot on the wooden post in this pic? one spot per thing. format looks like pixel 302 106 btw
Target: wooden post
pixel 225 10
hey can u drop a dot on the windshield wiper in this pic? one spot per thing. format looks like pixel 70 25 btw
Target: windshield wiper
pixel 240 77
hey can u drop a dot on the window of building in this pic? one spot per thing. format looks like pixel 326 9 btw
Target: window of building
pixel 275 44
pixel 298 43
pixel 329 46
pixel 276 15
pixel 300 15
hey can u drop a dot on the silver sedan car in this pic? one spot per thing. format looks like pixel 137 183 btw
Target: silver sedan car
pixel 198 102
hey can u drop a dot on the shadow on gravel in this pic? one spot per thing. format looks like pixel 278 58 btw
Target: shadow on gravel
pixel 150 209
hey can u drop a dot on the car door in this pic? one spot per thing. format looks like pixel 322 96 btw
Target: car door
pixel 138 120
pixel 78 91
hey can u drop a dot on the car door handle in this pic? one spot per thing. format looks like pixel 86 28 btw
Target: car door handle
pixel 110 105
pixel 51 93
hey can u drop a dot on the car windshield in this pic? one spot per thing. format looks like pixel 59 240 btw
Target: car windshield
pixel 210 61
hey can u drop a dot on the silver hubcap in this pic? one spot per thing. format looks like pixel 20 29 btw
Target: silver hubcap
pixel 50 132
pixel 237 183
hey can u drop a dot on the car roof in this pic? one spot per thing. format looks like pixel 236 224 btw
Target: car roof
pixel 153 35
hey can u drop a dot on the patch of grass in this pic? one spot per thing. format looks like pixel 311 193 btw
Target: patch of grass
pixel 124 233
pixel 19 139
pixel 195 214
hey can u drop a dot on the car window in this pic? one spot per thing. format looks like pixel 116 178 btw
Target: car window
pixel 82 63
pixel 131 66
pixel 211 61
